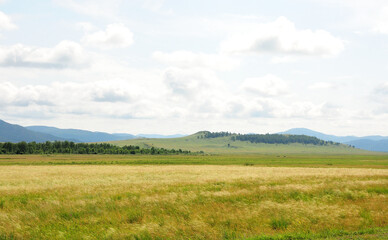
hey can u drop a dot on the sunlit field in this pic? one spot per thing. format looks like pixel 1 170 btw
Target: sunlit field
pixel 375 160
pixel 169 201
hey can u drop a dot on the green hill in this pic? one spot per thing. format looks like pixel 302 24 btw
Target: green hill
pixel 226 145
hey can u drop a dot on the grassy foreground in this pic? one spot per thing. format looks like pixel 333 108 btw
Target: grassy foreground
pixel 45 200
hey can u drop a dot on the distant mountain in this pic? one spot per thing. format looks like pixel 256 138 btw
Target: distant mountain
pixel 77 135
pixel 160 136
pixel 124 135
pixel 15 133
pixel 326 137
pixel 372 143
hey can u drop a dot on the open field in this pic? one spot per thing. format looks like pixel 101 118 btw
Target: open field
pixel 274 160
pixel 190 201
pixel 220 145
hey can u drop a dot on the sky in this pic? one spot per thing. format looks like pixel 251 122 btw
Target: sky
pixel 179 66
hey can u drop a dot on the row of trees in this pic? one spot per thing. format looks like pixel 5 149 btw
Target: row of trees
pixel 217 134
pixel 269 138
pixel 280 139
pixel 67 147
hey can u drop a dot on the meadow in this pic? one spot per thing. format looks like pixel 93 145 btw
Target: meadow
pixel 194 197
pixel 281 159
pixel 224 145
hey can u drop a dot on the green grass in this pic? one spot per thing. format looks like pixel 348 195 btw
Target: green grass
pixel 192 202
pixel 279 223
pixel 246 191
pixel 272 160
pixel 224 145
pixel 371 233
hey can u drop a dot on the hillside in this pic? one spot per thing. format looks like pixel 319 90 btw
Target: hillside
pixel 159 136
pixel 226 145
pixel 15 133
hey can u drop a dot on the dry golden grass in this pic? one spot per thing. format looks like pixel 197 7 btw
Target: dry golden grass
pixel 181 202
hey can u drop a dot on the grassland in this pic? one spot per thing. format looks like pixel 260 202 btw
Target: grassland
pixel 215 197
pixel 186 201
pixel 224 145
pixel 270 160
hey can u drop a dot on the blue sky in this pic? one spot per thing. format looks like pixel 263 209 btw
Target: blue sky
pixel 159 66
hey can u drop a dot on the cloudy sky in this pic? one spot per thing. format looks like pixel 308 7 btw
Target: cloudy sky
pixel 180 66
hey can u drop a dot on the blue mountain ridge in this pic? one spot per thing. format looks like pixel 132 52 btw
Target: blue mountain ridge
pixel 371 143
pixel 16 133
pixel 78 135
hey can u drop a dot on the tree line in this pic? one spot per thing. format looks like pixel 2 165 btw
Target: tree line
pixel 67 147
pixel 270 138
pixel 280 139
pixel 217 134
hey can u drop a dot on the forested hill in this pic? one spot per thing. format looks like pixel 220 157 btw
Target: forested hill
pixel 267 138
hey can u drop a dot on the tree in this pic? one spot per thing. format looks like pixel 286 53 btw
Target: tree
pixel 22 148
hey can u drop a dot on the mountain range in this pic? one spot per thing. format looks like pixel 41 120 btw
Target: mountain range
pixel 77 135
pixel 371 143
pixel 16 133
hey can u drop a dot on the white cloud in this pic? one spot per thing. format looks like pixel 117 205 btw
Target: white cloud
pixel 274 108
pixel 113 98
pixel 115 36
pixel 185 94
pixel 268 86
pixel 7 93
pixel 65 54
pixel 187 59
pixel 191 83
pixel 5 22
pixel 24 96
pixel 107 92
pixel 193 93
pixel 253 107
pixel 282 37
pixel 302 109
pixel 68 97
